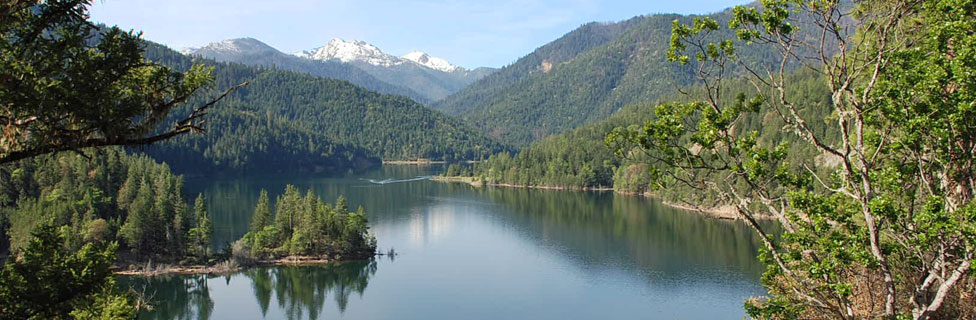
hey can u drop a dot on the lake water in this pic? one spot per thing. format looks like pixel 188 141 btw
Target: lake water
pixel 477 253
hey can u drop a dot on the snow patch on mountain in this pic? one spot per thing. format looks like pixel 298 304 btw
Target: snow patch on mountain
pixel 232 46
pixel 361 51
pixel 349 51
pixel 426 60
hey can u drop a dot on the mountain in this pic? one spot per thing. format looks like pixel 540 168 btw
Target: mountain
pixel 568 82
pixel 422 58
pixel 252 52
pixel 501 82
pixel 416 75
pixel 290 121
pixel 433 77
pixel 580 158
pixel 351 51
pixel 582 77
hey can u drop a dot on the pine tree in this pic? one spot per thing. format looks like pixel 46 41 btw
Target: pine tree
pixel 262 213
pixel 91 82
pixel 49 283
pixel 138 225
pixel 287 211
pixel 203 232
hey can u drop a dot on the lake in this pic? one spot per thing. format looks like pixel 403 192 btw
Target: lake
pixel 465 252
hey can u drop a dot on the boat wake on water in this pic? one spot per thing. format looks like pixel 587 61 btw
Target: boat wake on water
pixel 389 181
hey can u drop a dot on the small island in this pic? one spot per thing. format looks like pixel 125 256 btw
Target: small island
pixel 304 229
pixel 298 230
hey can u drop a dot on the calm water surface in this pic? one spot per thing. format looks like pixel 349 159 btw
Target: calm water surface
pixel 477 253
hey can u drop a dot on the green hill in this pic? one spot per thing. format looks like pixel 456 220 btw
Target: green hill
pixel 286 120
pixel 580 158
pixel 495 86
pixel 583 77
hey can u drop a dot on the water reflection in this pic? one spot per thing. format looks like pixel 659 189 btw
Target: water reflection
pixel 539 253
pixel 626 231
pixel 298 292
pixel 181 297
pixel 430 224
pixel 231 201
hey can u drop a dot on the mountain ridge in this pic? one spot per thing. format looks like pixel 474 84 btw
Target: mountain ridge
pixel 416 75
pixel 253 52
pixel 286 120
pixel 582 77
pixel 362 51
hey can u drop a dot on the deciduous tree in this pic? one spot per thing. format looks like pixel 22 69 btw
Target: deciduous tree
pixel 881 223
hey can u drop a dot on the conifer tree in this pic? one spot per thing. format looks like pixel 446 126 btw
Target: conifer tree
pixel 202 233
pixel 262 213
pixel 69 84
pixel 138 225
pixel 49 283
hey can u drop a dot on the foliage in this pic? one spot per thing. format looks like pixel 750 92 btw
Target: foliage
pixel 306 226
pixel 68 85
pixel 199 236
pixel 580 159
pixel 883 224
pixel 286 120
pixel 111 196
pixel 456 169
pixel 49 281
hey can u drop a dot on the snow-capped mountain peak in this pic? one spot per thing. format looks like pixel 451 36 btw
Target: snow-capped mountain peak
pixel 426 60
pixel 348 51
pixel 232 46
pixel 361 51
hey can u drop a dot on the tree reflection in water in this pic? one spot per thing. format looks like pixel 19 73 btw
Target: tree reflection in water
pixel 180 297
pixel 299 291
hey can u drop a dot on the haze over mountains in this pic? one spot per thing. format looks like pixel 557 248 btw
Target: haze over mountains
pixel 416 75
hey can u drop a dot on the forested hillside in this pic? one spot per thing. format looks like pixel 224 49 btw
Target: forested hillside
pixel 432 85
pixel 582 77
pixel 483 92
pixel 581 159
pixel 285 120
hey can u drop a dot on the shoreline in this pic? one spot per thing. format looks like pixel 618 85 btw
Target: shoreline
pixel 414 162
pixel 478 183
pixel 225 267
pixel 421 162
pixel 723 212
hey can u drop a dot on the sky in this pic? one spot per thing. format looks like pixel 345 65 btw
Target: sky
pixel 469 33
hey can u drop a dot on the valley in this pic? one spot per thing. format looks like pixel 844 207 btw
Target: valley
pixel 767 160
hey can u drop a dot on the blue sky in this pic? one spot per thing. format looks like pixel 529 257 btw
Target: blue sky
pixel 466 32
